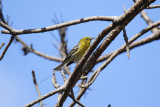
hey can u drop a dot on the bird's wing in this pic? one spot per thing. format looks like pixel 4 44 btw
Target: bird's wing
pixel 73 50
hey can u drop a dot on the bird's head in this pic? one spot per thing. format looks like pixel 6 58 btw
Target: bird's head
pixel 86 40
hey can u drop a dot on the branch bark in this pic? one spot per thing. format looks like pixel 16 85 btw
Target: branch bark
pixel 125 18
pixel 152 26
pixel 65 24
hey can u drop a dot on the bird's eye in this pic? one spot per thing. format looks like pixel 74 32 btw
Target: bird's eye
pixel 87 39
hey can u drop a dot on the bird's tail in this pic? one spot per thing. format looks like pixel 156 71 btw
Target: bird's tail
pixel 59 67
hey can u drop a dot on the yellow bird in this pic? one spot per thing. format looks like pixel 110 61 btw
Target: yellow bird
pixel 76 52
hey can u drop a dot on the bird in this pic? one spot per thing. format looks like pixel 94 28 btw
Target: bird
pixel 76 52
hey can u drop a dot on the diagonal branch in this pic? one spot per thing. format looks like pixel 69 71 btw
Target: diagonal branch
pixel 36 86
pixel 4 25
pixel 60 89
pixel 148 28
pixel 7 46
pixel 2 44
pixel 125 18
pixel 148 20
pixel 126 40
pixel 122 49
pixel 37 52
pixel 75 100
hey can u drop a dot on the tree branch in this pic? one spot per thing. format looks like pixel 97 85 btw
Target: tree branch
pixel 148 21
pixel 113 54
pixel 38 53
pixel 126 40
pixel 54 81
pixel 6 48
pixel 75 100
pixel 152 7
pixel 65 24
pixel 36 86
pixel 148 28
pixel 60 89
pixel 2 44
pixel 125 18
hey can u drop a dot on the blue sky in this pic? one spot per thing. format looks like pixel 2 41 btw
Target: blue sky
pixel 124 83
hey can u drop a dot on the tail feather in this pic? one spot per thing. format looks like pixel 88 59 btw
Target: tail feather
pixel 60 66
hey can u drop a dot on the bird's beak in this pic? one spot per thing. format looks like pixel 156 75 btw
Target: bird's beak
pixel 92 38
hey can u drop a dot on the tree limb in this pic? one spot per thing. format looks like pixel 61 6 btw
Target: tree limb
pixel 60 89
pixel 65 24
pixel 36 86
pixel 148 28
pixel 125 18
pixel 37 52
pixel 95 74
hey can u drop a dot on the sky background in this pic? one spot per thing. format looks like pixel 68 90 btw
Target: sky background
pixel 124 83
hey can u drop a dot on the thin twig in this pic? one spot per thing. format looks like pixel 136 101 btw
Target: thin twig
pixel 63 46
pixel 125 36
pixel 4 24
pixel 91 80
pixel 6 48
pixel 36 86
pixel 126 40
pixel 54 81
pixel 148 21
pixel 7 27
pixel 75 100
pixel 60 89
pixel 2 44
pixel 63 75
pixel 37 52
pixel 65 24
pixel 1 13
pixel 124 8
pixel 135 37
pixel 152 7
pixel 55 84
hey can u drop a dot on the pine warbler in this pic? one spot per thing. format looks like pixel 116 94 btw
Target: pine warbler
pixel 76 52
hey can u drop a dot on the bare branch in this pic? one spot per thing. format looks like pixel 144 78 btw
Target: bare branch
pixel 133 45
pixel 60 89
pixel 6 48
pixel 1 13
pixel 9 29
pixel 63 75
pixel 38 53
pixel 63 47
pixel 124 8
pixel 65 24
pixel 125 18
pixel 146 40
pixel 4 24
pixel 75 100
pixel 152 7
pixel 126 40
pixel 152 26
pixel 36 86
pixel 54 81
pixel 2 44
pixel 148 20
pixel 125 36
